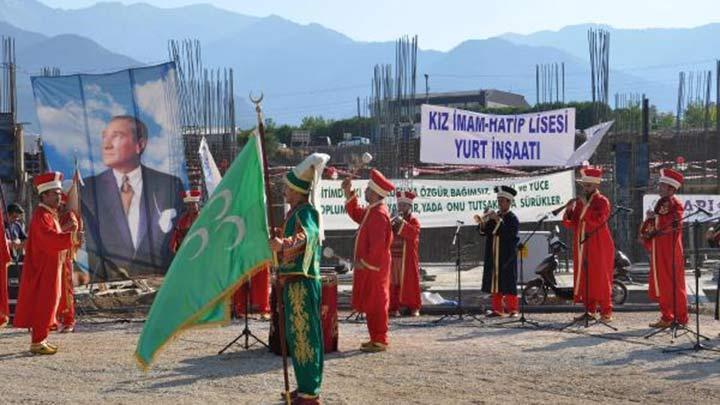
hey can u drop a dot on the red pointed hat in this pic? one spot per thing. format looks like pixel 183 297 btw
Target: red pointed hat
pixel 48 181
pixel 590 175
pixel 405 196
pixel 671 177
pixel 191 196
pixel 379 184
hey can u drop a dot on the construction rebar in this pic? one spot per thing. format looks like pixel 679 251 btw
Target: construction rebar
pixel 599 46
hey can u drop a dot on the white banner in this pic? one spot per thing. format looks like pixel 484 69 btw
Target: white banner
pixel 708 202
pixel 453 136
pixel 440 203
pixel 209 168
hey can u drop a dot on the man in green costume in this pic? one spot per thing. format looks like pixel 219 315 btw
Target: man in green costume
pixel 297 246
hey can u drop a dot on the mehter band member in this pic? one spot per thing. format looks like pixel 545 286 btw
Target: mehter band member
pixel 500 270
pixel 662 238
pixel 593 259
pixel 42 269
pixel 405 272
pixel 298 250
pixel 191 199
pixel 371 269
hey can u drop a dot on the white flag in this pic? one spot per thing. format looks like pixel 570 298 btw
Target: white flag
pixel 209 168
pixel 595 135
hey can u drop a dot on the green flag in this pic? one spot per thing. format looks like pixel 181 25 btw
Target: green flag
pixel 227 244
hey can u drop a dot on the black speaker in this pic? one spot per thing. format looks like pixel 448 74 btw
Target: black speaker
pixel 14 271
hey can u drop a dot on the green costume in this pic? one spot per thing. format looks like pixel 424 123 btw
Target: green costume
pixel 300 260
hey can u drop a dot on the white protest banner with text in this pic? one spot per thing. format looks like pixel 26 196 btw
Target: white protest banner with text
pixel 708 202
pixel 440 203
pixel 453 136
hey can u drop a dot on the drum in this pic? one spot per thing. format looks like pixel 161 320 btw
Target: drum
pixel 328 311
pixel 328 314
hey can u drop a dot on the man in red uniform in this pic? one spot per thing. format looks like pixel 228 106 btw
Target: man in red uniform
pixel 593 260
pixel 191 199
pixel 663 240
pixel 5 260
pixel 69 221
pixel 371 271
pixel 42 269
pixel 259 295
pixel 405 271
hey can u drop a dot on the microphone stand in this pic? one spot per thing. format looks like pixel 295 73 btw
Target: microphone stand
pixel 459 312
pixel 586 299
pixel 697 346
pixel 520 247
pixel 246 333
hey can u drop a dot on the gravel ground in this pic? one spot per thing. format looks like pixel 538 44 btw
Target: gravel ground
pixel 450 363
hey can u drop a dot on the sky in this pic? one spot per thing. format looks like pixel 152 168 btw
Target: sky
pixel 442 25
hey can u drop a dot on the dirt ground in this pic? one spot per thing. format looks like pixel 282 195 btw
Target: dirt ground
pixel 449 363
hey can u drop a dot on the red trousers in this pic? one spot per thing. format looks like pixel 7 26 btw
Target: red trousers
pixel 371 296
pixel 377 323
pixel 39 335
pixel 510 303
pixel 681 308
pixel 605 307
pixel 259 294
pixel 395 300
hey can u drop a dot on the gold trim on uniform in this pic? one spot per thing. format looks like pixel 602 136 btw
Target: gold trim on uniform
pixel 581 247
pixel 303 351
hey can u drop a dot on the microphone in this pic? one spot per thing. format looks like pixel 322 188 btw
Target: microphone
pixel 626 209
pixel 460 222
pixel 703 210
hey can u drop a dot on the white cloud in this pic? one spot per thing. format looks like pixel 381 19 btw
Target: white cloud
pixel 158 99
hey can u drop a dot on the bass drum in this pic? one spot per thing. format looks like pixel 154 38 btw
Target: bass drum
pixel 328 315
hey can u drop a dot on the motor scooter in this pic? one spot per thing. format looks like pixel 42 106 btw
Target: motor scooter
pixel 537 290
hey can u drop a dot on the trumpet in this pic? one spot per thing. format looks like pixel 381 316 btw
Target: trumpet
pixel 479 219
pixel 563 207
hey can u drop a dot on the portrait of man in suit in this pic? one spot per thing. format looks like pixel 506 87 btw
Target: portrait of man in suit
pixel 129 208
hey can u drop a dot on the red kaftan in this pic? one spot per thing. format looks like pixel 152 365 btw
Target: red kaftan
pixel 181 228
pixel 597 253
pixel 405 276
pixel 371 269
pixel 42 270
pixel 665 247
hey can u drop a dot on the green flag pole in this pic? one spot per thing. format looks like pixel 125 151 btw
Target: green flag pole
pixel 272 224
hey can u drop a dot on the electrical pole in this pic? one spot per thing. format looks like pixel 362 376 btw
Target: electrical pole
pixel 427 89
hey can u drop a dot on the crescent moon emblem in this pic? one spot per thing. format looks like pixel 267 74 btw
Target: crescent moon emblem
pixel 256 101
pixel 202 233
pixel 239 225
pixel 226 195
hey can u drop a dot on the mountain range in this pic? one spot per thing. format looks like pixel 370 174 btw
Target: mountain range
pixel 311 70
